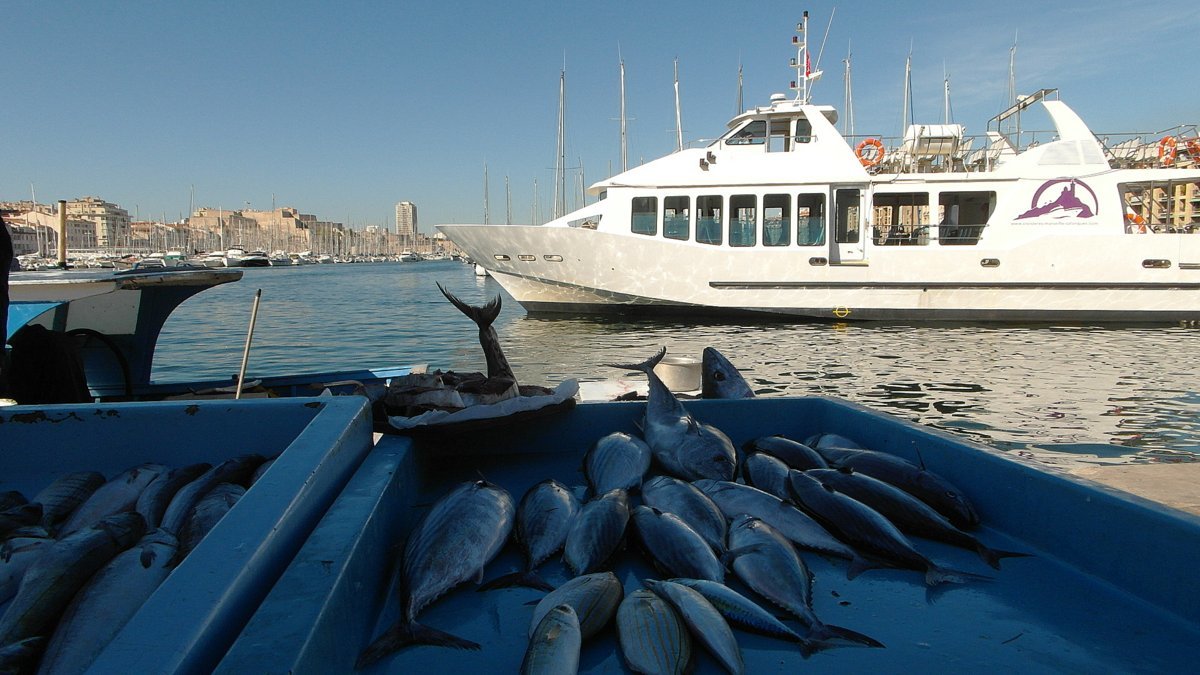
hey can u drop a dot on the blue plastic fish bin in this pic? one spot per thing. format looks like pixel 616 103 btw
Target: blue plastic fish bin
pixel 193 618
pixel 1110 586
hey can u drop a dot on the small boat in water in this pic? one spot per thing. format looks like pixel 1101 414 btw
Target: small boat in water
pixel 785 216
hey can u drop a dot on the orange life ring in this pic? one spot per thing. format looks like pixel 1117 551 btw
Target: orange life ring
pixel 876 156
pixel 1193 148
pixel 1136 223
pixel 1167 150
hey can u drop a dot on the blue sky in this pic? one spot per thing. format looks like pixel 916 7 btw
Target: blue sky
pixel 343 109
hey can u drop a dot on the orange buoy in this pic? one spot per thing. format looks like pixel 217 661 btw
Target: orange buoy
pixel 872 158
pixel 1167 150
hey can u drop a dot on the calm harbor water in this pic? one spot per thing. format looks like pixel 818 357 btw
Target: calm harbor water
pixel 1062 394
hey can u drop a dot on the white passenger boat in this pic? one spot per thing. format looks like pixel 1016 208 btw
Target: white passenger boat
pixel 783 215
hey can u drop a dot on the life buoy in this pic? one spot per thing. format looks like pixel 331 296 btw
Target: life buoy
pixel 1167 150
pixel 876 155
pixel 1137 224
pixel 1193 148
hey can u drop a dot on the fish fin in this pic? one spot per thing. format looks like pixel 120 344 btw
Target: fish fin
pixel 732 554
pixel 528 579
pixel 823 636
pixel 993 556
pixel 483 316
pixel 936 575
pixel 404 634
pixel 858 565
pixel 147 557
pixel 645 366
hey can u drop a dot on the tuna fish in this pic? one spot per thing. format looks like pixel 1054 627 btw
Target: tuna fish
pixel 674 546
pixel 16 517
pixel 742 611
pixel 235 470
pixel 767 473
pixel 693 507
pixel 21 657
pixel 617 460
pixel 909 514
pixel 209 511
pixel 597 531
pixel 653 637
pixel 501 380
pixel 866 529
pixel 720 379
pixel 61 570
pixel 594 597
pixel 461 534
pixel 544 517
pixel 16 556
pixel 793 453
pixel 106 603
pixel 704 621
pixel 65 494
pixel 686 448
pixel 766 562
pixel 554 647
pixel 117 495
pixel 11 498
pixel 153 501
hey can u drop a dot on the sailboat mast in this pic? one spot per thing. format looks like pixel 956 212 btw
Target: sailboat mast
pixel 560 174
pixel 848 122
pixel 624 152
pixel 739 109
pixel 945 95
pixel 907 92
pixel 486 215
pixel 678 117
pixel 507 202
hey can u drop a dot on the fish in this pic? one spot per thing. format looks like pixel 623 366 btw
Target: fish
pixel 742 611
pixel 693 507
pixel 554 647
pixel 209 511
pixel 767 473
pixel 544 518
pixel 594 597
pixel 22 656
pixel 909 514
pixel 674 546
pixel 153 501
pixel 819 442
pixel 618 460
pixel 233 470
pixel 720 379
pixel 500 375
pixel 705 622
pixel 686 448
pixel 925 485
pixel 61 570
pixel 800 528
pixel 16 517
pixel 462 532
pixel 16 556
pixel 262 468
pixel 867 530
pixel 108 601
pixel 653 637
pixel 11 498
pixel 65 494
pixel 768 564
pixel 793 453
pixel 596 532
pixel 117 495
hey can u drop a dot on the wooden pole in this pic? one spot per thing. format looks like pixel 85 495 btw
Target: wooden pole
pixel 246 350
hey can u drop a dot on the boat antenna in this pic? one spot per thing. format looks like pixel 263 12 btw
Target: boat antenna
pixel 738 110
pixel 678 118
pixel 624 150
pixel 848 123
pixel 907 91
pixel 1012 72
pixel 947 111
pixel 805 75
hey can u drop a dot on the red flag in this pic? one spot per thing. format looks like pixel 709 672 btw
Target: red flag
pixel 807 65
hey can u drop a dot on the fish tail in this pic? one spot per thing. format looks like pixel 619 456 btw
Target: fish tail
pixel 993 556
pixel 936 575
pixel 528 579
pixel 403 634
pixel 645 366
pixel 824 636
pixel 858 565
pixel 483 316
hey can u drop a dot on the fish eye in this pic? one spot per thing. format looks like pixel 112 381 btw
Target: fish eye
pixel 719 376
pixel 951 494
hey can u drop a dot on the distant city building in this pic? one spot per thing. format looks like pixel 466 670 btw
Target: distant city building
pixel 406 219
pixel 112 221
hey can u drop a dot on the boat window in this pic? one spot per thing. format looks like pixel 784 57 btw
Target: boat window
pixel 803 131
pixel 676 214
pixel 810 220
pixel 962 216
pixel 708 219
pixel 846 229
pixel 776 227
pixel 752 134
pixel 778 139
pixel 743 219
pixel 901 219
pixel 1161 206
pixel 645 215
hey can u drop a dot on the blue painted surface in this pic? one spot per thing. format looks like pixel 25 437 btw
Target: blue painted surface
pixel 1108 591
pixel 197 613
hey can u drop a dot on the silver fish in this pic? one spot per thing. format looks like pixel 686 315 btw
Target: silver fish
pixel 65 494
pixel 735 499
pixel 767 473
pixel 596 532
pixel 720 379
pixel 235 470
pixel 17 517
pixel 617 460
pixel 117 495
pixel 544 518
pixel 16 556
pixel 705 622
pixel 153 501
pixel 767 563
pixel 106 603
pixel 793 453
pixel 554 647
pixel 693 507
pixel 676 547
pixel 742 611
pixel 594 597
pixel 461 534
pixel 209 510
pixel 55 577
pixel 653 637
pixel 685 447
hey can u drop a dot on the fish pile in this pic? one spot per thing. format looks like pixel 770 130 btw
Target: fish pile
pixel 79 559
pixel 723 527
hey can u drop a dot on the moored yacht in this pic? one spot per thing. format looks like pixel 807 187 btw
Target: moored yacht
pixel 783 215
